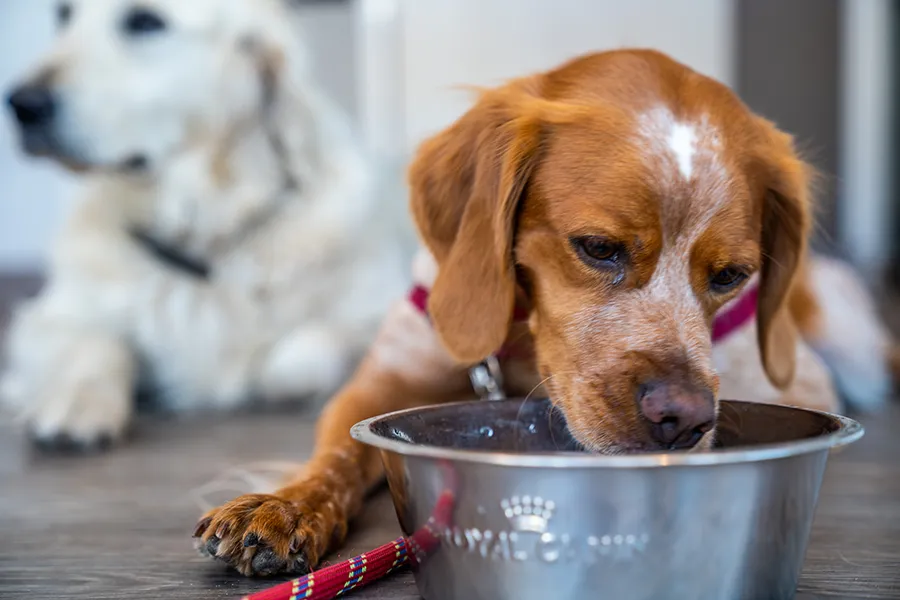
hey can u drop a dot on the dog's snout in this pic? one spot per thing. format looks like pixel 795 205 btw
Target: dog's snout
pixel 32 104
pixel 678 415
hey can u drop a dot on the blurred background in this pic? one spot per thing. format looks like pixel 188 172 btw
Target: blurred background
pixel 822 69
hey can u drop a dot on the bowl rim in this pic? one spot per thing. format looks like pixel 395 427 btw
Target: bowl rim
pixel 849 431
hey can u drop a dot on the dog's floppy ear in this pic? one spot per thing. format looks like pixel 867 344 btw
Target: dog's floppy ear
pixel 291 106
pixel 466 183
pixel 786 223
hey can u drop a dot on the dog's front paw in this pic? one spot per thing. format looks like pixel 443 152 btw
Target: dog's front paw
pixel 88 416
pixel 261 534
pixel 70 388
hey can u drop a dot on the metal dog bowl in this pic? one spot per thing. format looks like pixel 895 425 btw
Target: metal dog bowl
pixel 499 503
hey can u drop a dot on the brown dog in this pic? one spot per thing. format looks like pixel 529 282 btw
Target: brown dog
pixel 620 201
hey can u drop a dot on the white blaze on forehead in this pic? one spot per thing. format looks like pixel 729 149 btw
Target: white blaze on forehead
pixel 676 142
pixel 682 142
pixel 685 151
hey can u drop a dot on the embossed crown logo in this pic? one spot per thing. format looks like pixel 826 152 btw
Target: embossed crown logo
pixel 527 513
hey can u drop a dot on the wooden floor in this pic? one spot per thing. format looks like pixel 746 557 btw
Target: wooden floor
pixel 117 525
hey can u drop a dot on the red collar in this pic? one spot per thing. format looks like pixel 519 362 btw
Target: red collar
pixel 732 318
pixel 729 320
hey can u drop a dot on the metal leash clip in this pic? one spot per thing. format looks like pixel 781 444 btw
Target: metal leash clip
pixel 487 379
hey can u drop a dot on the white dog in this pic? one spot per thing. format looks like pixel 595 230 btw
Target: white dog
pixel 230 244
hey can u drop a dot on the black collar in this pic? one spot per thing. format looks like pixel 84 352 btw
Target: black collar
pixel 171 256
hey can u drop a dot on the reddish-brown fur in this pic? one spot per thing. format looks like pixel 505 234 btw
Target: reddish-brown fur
pixel 497 197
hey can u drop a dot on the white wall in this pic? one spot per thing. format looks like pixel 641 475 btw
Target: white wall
pixel 33 194
pixel 483 42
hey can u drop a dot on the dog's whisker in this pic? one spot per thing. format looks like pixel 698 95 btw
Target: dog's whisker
pixel 553 411
pixel 533 390
pixel 529 396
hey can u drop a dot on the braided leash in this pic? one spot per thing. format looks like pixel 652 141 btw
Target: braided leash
pixel 343 577
pixel 337 580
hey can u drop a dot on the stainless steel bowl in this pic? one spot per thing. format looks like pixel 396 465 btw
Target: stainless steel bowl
pixel 501 504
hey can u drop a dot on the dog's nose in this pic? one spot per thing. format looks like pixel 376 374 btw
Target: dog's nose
pixel 678 414
pixel 32 104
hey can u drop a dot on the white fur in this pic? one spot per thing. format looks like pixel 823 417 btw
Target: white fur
pixel 852 339
pixel 741 375
pixel 685 157
pixel 293 300
pixel 680 148
pixel 409 345
pixel 424 268
pixel 682 142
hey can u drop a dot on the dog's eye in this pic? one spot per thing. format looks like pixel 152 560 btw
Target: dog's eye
pixel 143 21
pixel 63 14
pixel 597 251
pixel 726 279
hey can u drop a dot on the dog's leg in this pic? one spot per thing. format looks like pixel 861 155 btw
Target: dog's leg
pixel 291 529
pixel 72 384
